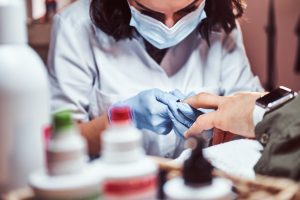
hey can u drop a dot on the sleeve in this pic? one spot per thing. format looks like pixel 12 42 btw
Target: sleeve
pixel 279 132
pixel 236 71
pixel 70 74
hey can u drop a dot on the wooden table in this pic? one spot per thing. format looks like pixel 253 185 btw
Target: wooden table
pixel 261 188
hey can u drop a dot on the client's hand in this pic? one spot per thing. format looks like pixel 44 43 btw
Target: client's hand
pixel 148 112
pixel 233 113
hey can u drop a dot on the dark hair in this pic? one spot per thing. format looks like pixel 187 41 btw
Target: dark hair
pixel 113 16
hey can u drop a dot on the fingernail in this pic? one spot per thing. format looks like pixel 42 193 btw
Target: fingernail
pixel 185 134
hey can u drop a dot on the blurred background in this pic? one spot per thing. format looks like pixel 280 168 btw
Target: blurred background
pixel 287 13
pixel 253 25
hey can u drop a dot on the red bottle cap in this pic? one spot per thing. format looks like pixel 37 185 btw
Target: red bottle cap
pixel 120 114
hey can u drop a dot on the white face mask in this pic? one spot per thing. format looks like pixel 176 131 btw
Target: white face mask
pixel 161 36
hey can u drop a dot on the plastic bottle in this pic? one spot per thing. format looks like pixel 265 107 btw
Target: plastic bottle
pixel 197 182
pixel 68 175
pixel 24 99
pixel 66 152
pixel 129 174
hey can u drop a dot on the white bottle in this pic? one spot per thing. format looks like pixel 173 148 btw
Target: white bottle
pixel 66 150
pixel 197 182
pixel 67 175
pixel 24 99
pixel 129 174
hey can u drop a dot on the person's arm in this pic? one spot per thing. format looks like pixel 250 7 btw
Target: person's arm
pixel 92 131
pixel 72 77
pixel 279 132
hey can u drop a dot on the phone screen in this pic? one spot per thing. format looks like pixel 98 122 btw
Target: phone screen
pixel 273 96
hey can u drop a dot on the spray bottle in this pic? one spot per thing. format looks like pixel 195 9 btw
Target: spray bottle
pixel 129 174
pixel 197 182
pixel 24 99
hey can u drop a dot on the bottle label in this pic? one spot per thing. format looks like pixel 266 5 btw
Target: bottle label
pixel 136 188
pixel 59 163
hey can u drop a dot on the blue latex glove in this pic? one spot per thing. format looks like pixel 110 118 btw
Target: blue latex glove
pixel 177 93
pixel 148 112
pixel 185 109
pixel 182 115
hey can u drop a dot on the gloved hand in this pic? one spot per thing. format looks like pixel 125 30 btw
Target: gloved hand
pixel 148 112
pixel 182 115
pixel 184 108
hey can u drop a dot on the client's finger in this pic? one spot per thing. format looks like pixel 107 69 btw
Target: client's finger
pixel 204 100
pixel 203 122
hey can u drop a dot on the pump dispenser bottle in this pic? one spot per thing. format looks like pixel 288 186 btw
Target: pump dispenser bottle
pixel 197 182
pixel 24 99
pixel 129 174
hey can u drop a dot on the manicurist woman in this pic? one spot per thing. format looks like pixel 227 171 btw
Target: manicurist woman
pixel 145 54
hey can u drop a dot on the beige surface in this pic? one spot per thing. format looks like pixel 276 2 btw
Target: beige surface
pixel 22 194
pixel 287 13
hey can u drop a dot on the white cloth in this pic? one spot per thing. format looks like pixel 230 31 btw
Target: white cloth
pixel 89 70
pixel 236 157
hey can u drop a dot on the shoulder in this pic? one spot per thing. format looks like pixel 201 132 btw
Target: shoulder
pixel 228 41
pixel 77 14
pixel 76 17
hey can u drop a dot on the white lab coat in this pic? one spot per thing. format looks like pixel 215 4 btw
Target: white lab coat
pixel 89 70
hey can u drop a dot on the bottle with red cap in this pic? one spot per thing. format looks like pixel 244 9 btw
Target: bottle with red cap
pixel 129 174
